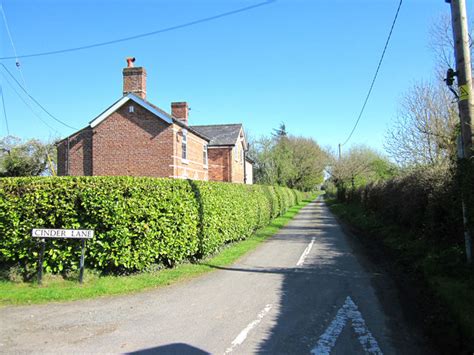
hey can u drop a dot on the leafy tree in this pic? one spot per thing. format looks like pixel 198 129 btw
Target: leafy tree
pixel 30 158
pixel 359 166
pixel 287 160
pixel 308 161
pixel 265 164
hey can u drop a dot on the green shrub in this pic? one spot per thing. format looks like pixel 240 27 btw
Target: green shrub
pixel 138 222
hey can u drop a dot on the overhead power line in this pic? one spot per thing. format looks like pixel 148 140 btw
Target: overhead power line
pixel 11 41
pixel 375 75
pixel 4 110
pixel 34 100
pixel 147 34
pixel 27 104
pixel 48 156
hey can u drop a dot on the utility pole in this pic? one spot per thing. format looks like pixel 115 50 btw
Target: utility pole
pixel 466 101
pixel 463 72
pixel 339 151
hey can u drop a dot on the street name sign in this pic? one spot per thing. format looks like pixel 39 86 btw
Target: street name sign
pixel 63 233
pixel 44 233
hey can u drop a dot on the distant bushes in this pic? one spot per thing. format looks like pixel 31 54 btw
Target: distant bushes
pixel 138 222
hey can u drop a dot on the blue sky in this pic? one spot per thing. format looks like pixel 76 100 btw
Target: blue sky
pixel 306 63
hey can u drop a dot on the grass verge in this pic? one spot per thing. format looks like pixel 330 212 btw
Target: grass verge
pixel 441 283
pixel 56 289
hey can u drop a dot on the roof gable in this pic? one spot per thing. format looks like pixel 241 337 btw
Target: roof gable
pixel 119 103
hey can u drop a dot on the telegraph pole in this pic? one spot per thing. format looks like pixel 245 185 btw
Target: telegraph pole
pixel 463 72
pixel 466 101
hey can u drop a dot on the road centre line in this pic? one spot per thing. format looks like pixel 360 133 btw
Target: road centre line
pixel 305 253
pixel 244 333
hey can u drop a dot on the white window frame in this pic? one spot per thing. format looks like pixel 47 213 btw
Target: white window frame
pixel 184 146
pixel 205 156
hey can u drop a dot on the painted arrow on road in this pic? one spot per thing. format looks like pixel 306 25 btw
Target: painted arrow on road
pixel 348 311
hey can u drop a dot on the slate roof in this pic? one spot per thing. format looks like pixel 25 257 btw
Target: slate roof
pixel 220 134
pixel 217 135
pixel 147 105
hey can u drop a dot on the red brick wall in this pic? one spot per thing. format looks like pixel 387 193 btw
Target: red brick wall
pixel 220 164
pixel 133 144
pixel 80 154
pixel 193 167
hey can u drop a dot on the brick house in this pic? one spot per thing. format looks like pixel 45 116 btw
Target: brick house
pixel 136 138
pixel 226 152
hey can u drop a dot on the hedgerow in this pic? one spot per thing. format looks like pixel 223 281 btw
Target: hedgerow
pixel 424 200
pixel 138 222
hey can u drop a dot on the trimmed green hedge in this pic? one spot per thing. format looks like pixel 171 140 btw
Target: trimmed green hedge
pixel 138 222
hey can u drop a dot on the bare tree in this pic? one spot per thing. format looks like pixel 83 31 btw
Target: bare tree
pixel 442 44
pixel 424 131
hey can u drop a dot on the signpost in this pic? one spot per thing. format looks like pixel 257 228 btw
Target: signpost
pixel 81 234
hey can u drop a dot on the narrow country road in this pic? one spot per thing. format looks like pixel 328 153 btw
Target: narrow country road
pixel 303 291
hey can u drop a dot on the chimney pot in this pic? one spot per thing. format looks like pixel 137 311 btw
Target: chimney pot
pixel 130 61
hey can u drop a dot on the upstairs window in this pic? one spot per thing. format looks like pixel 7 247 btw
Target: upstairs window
pixel 184 145
pixel 204 154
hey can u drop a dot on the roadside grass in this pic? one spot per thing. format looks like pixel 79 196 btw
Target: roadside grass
pixel 445 283
pixel 58 289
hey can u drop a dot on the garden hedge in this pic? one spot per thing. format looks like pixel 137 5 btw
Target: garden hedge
pixel 138 222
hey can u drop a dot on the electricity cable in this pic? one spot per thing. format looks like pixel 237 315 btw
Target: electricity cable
pixel 4 110
pixel 375 75
pixel 51 165
pixel 28 105
pixel 18 65
pixel 11 41
pixel 34 100
pixel 147 34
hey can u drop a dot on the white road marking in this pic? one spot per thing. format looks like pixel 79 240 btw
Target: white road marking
pixel 328 339
pixel 305 253
pixel 244 333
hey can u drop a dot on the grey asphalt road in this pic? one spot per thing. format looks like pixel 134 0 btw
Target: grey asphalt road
pixel 304 290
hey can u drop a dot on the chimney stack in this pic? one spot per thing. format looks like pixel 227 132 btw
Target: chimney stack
pixel 134 79
pixel 180 111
